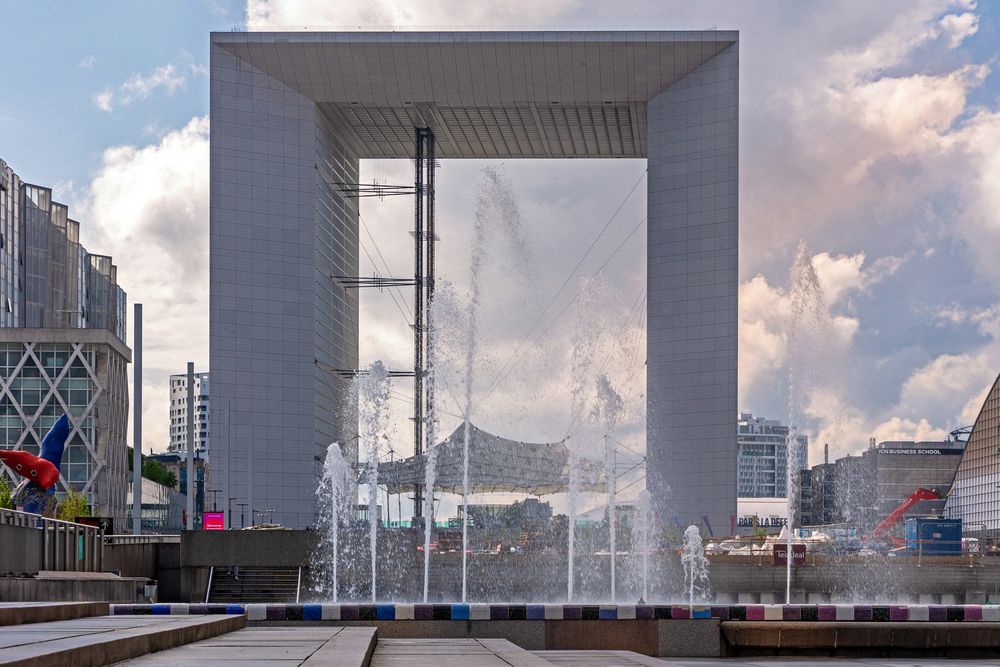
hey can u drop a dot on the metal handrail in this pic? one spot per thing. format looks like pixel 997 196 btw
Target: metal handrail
pixel 142 539
pixel 65 545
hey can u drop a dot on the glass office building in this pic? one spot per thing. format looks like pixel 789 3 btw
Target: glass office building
pixel 762 457
pixel 62 344
pixel 47 278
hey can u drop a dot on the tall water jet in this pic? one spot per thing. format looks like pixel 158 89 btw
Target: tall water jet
pixel 430 471
pixel 807 331
pixel 429 475
pixel 498 231
pixel 695 564
pixel 644 510
pixel 574 495
pixel 608 409
pixel 370 392
pixel 337 483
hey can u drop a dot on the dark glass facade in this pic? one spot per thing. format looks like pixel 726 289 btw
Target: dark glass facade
pixel 47 279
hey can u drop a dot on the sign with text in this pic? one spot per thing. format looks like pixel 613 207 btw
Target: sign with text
pixel 781 554
pixel 105 523
pixel 213 520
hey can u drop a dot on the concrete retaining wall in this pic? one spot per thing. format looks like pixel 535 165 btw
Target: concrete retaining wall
pixel 22 550
pixel 30 589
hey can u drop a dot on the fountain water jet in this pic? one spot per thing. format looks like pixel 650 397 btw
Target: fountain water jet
pixel 609 408
pixel 370 392
pixel 644 507
pixel 574 494
pixel 695 564
pixel 338 482
pixel 806 334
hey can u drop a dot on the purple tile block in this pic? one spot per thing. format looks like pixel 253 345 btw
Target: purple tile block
pixel 973 612
pixel 421 612
pixel 755 612
pixel 899 613
pixel 198 609
pixel 721 613
pixel 121 610
pixel 937 613
pixel 680 612
pixel 275 612
pixel 644 612
pixel 827 612
pixel 348 612
pixel 499 612
pixel 572 613
pixel 791 612
pixel 862 612
pixel 535 612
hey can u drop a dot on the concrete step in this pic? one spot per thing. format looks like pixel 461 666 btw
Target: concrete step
pixel 600 659
pixel 254 584
pixel 18 613
pixel 103 640
pixel 327 646
pixel 453 653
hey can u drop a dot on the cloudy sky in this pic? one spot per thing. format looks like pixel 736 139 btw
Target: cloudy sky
pixel 870 131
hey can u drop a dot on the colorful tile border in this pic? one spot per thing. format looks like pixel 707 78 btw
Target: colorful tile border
pixel 570 612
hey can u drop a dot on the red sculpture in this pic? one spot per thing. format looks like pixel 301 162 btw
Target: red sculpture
pixel 32 467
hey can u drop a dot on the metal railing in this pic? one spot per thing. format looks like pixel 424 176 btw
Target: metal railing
pixel 65 546
pixel 142 539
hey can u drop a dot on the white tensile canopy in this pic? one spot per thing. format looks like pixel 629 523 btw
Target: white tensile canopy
pixel 496 465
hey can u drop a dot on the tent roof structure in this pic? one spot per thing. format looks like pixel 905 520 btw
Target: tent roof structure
pixel 496 465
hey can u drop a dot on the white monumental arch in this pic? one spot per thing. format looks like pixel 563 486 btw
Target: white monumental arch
pixel 293 113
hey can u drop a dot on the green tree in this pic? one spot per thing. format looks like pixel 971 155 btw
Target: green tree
pixel 73 506
pixel 157 472
pixel 6 502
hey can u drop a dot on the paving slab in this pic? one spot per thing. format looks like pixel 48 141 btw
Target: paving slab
pixel 105 640
pixel 600 659
pixel 332 646
pixel 453 653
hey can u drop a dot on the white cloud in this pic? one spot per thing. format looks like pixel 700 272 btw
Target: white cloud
pixel 139 86
pixel 104 100
pixel 957 27
pixel 318 14
pixel 88 62
pixel 147 206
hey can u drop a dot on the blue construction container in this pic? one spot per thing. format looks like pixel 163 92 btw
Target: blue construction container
pixel 932 536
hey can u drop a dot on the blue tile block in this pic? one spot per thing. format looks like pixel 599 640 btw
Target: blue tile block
pixel 608 613
pixel 703 612
pixel 386 612
pixel 312 612
pixel 161 609
pixel 459 612
pixel 536 612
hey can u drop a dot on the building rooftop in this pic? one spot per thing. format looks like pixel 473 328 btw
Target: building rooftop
pixel 526 94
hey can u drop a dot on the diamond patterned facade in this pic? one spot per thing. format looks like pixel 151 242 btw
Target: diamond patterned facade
pixel 84 374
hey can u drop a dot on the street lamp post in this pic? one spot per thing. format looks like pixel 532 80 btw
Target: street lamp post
pixel 242 507
pixel 214 492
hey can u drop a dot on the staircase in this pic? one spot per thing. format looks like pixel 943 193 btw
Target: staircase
pixel 254 584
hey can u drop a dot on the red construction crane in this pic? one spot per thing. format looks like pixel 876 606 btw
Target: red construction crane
pixel 887 523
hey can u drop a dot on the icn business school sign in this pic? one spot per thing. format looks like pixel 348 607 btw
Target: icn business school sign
pixel 920 452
